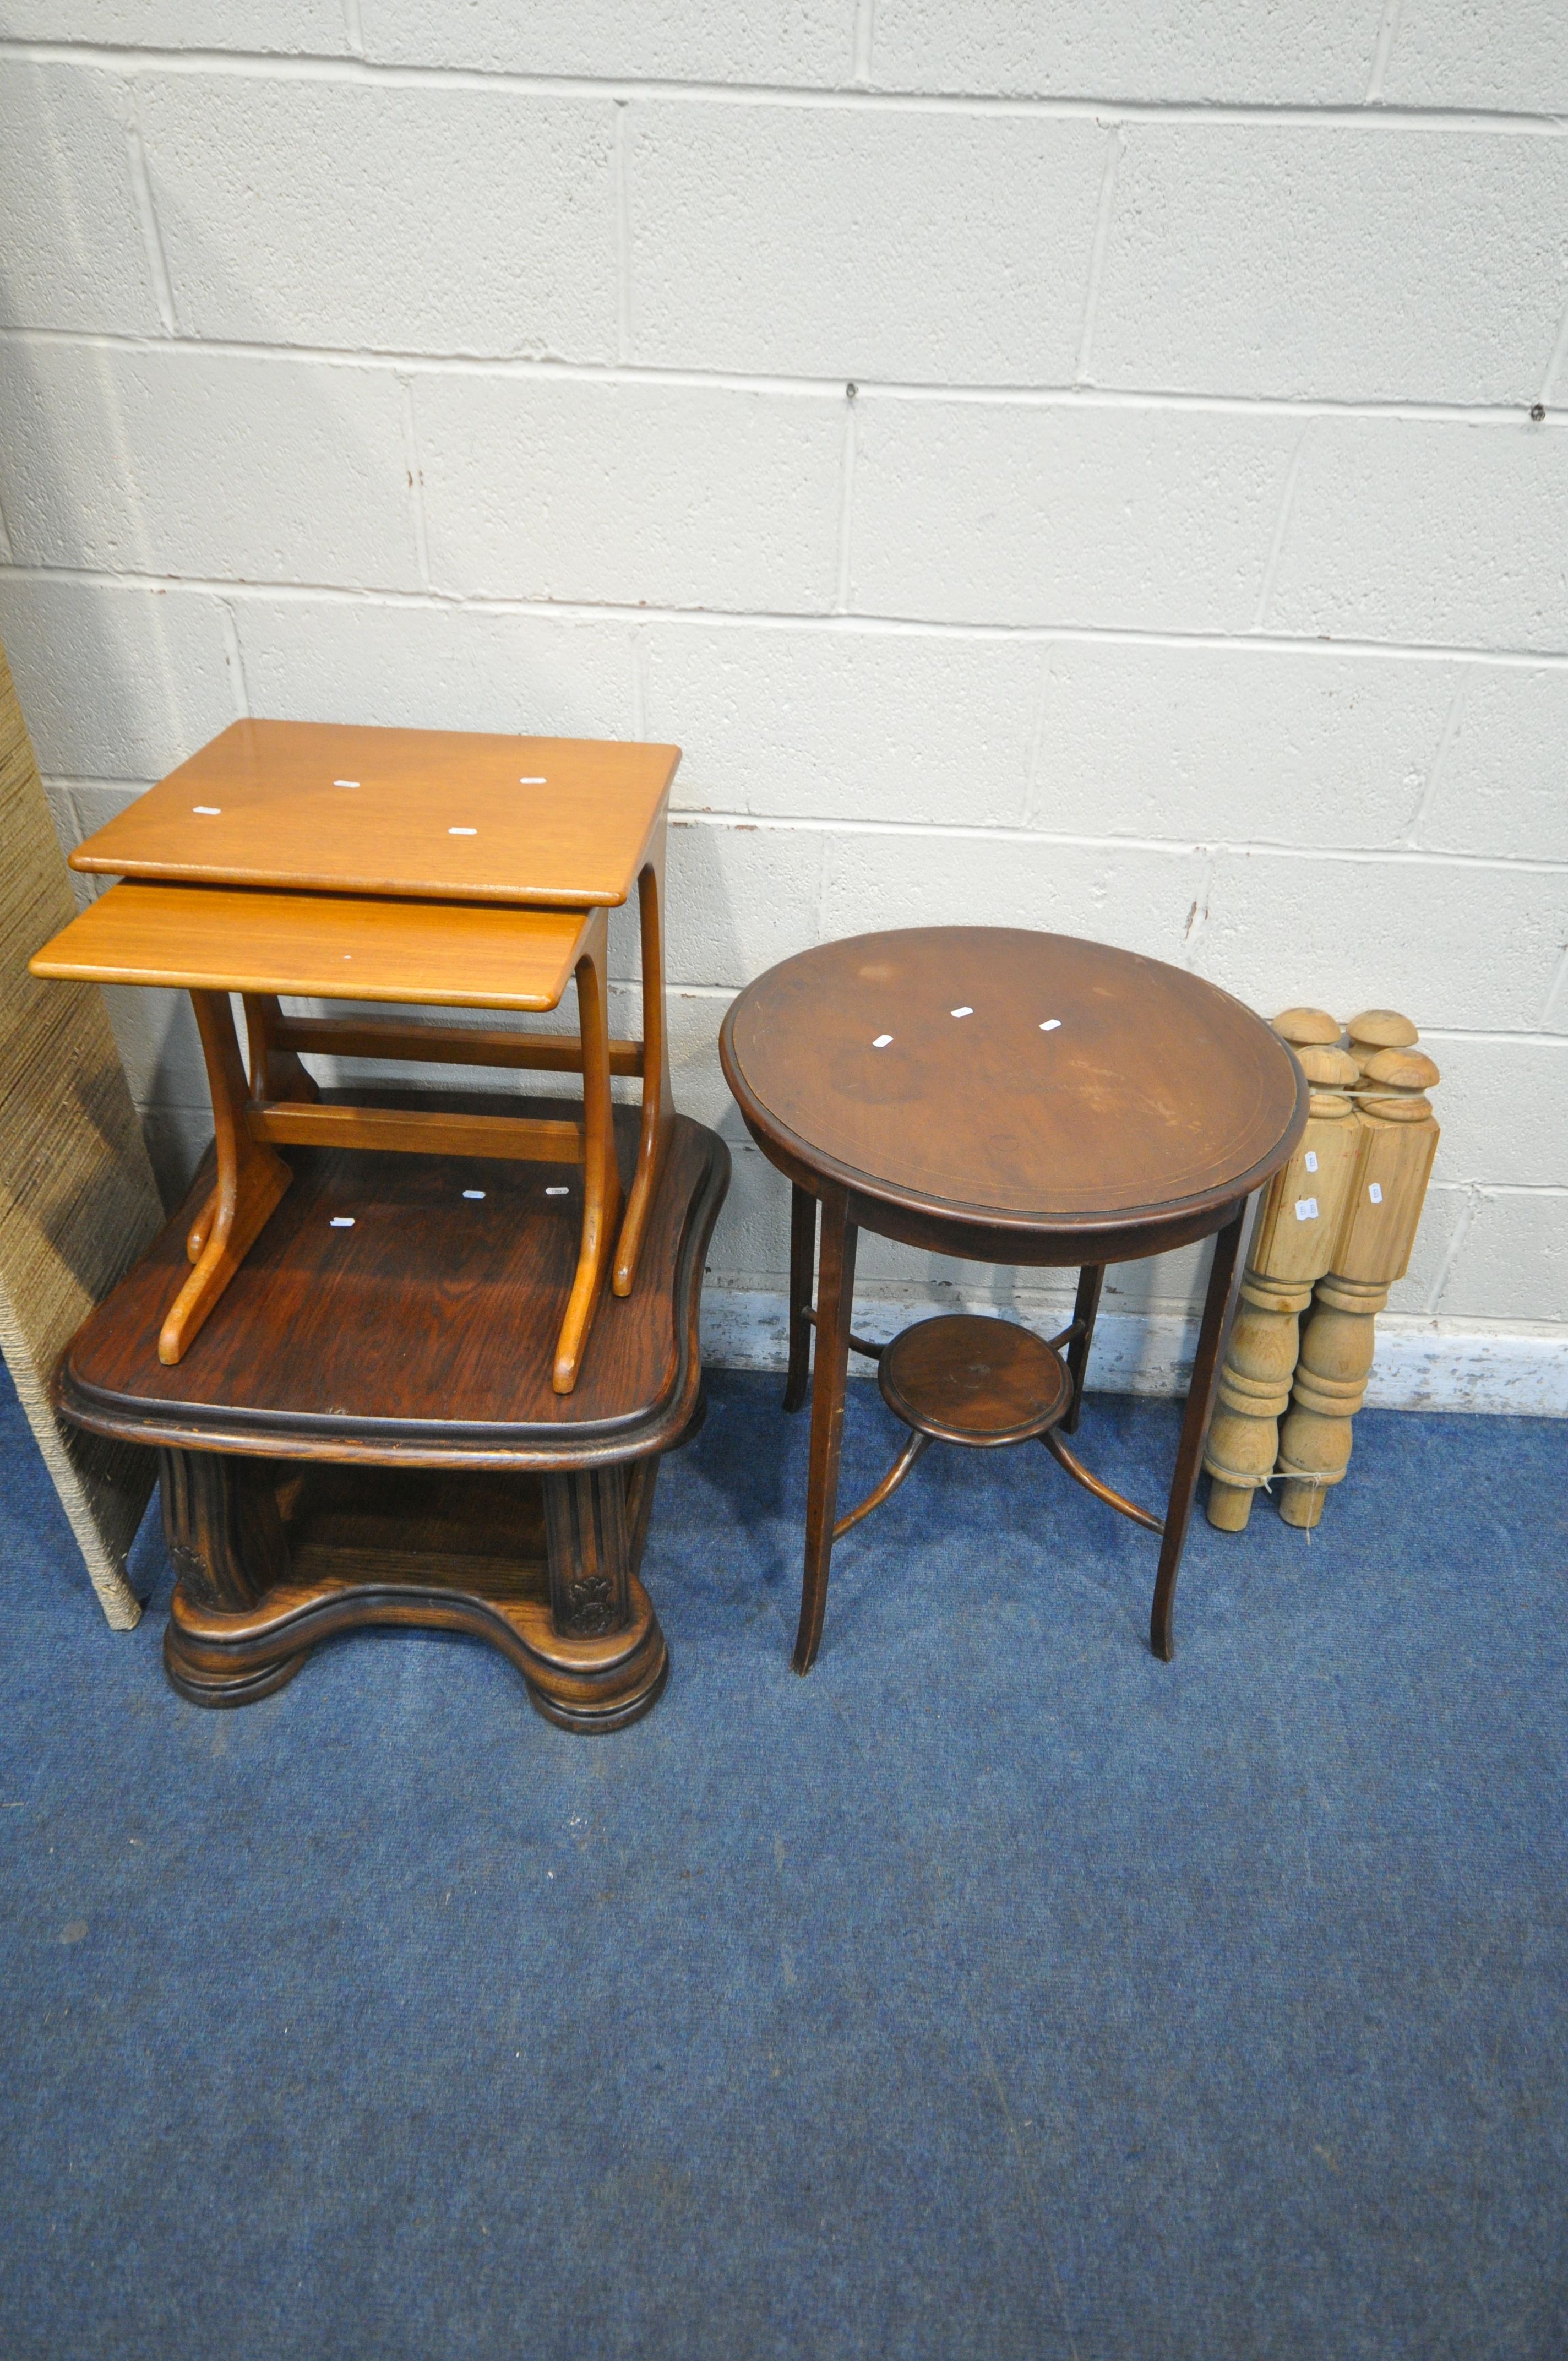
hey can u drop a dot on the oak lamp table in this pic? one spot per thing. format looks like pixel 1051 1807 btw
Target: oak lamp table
pixel 1006 1097
pixel 440 867
pixel 364 1431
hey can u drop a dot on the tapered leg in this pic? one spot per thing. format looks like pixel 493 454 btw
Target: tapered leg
pixel 1085 1311
pixel 1219 1307
pixel 835 1306
pixel 802 1271
pixel 601 1177
pixel 658 1098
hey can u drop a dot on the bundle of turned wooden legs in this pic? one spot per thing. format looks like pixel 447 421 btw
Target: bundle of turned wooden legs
pixel 1334 1233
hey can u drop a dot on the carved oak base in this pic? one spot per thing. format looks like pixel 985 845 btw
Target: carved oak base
pixel 275 1556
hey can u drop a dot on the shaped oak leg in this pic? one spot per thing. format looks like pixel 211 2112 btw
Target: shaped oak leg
pixel 1219 1306
pixel 802 1272
pixel 603 1662
pixel 252 1176
pixel 226 1537
pixel 658 1098
pixel 835 1306
pixel 601 1175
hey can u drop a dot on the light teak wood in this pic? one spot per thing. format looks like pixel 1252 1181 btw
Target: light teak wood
pixel 443 814
pixel 215 940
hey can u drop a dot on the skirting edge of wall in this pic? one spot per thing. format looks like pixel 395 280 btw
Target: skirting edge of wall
pixel 1422 1363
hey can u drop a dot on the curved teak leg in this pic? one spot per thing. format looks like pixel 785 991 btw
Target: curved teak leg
pixel 835 1307
pixel 274 1074
pixel 601 1175
pixel 658 1098
pixel 252 1176
pixel 1219 1305
pixel 1085 1311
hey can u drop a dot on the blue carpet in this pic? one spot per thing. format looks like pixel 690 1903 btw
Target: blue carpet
pixel 996 1991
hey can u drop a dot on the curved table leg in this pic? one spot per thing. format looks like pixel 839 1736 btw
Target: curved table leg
pixel 835 1306
pixel 1084 1313
pixel 1219 1307
pixel 801 1270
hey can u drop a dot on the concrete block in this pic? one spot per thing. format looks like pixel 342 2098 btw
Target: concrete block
pixel 751 1238
pixel 1501 788
pixel 1503 1106
pixel 1419 530
pixel 294 212
pixel 860 245
pixel 1464 53
pixel 630 493
pixel 1123 895
pixel 115 683
pixel 1462 948
pixel 740 899
pixel 436 667
pixel 1317 52
pixel 790 41
pixel 159 1047
pixel 1512 1261
pixel 845 724
pixel 176 1138
pixel 1444 1211
pixel 1246 259
pixel 972 512
pixel 186 463
pixel 286 28
pixel 74 252
pixel 1235 744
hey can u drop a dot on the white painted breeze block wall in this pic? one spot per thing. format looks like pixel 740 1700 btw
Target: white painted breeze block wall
pixel 1067 466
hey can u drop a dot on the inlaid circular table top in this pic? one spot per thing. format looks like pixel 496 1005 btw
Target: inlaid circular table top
pixel 1000 1076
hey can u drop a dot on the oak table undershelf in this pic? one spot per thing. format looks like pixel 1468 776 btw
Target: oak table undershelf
pixel 364 1431
pixel 1004 1096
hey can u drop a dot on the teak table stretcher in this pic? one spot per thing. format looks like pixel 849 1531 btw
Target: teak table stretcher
pixel 443 868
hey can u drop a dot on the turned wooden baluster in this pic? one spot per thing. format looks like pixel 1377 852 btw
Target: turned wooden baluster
pixel 1397 1137
pixel 1292 1247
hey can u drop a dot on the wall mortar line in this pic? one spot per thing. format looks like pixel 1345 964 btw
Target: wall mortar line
pixel 622 205
pixel 332 66
pixel 843 572
pixel 415 474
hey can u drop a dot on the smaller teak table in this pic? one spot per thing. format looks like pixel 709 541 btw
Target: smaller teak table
pixel 1006 1097
pixel 435 867
pixel 364 1431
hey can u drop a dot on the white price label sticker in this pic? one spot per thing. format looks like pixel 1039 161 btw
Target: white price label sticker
pixel 1312 1159
pixel 1306 1209
pixel 1376 1193
pixel 881 1041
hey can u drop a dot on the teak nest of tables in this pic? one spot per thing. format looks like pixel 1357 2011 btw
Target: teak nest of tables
pixel 442 868
pixel 363 1348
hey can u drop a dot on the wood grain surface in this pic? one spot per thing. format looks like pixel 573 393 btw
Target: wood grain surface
pixel 424 1333
pixel 1150 1093
pixel 310 946
pixel 562 821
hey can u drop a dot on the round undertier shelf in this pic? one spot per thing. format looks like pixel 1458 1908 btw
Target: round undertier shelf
pixel 966 1379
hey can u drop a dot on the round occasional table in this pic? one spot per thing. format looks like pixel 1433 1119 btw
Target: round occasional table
pixel 1007 1097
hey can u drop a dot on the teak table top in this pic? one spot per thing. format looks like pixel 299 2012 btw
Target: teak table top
pixel 404 1309
pixel 1032 1080
pixel 319 946
pixel 443 814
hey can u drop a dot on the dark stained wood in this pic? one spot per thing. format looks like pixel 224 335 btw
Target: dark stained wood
pixel 1219 1310
pixel 802 1279
pixel 365 1433
pixel 293 1362
pixel 965 1379
pixel 1085 1311
pixel 1156 1092
pixel 835 1302
pixel 999 1095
